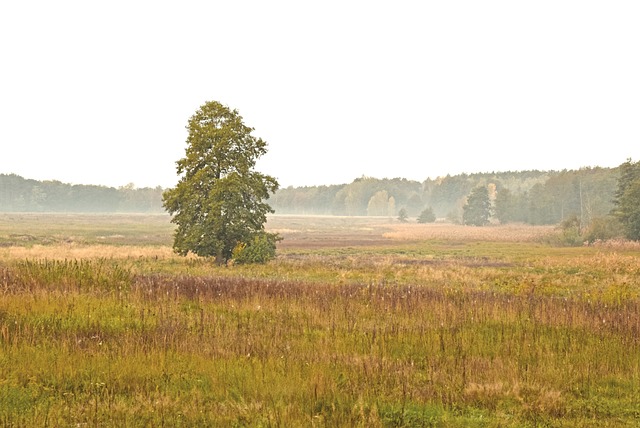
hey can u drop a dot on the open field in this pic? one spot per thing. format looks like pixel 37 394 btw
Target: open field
pixel 358 322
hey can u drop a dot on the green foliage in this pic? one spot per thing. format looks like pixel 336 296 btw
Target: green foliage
pixel 511 207
pixel 477 210
pixel 218 201
pixel 603 228
pixel 627 199
pixel 403 217
pixel 427 216
pixel 260 249
pixel 570 233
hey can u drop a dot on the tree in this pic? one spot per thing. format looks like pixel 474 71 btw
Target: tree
pixel 627 199
pixel 427 216
pixel 477 210
pixel 218 201
pixel 403 216
pixel 414 204
pixel 391 207
pixel 505 206
pixel 378 204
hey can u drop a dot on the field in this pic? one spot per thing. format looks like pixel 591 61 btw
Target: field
pixel 358 322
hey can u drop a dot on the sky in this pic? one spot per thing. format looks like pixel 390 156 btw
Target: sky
pixel 101 92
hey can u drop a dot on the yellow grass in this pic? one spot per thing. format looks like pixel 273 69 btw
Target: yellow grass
pixel 443 231
pixel 78 251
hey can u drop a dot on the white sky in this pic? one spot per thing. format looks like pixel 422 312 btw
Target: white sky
pixel 100 92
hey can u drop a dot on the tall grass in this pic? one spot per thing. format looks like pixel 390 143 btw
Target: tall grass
pixel 344 328
pixel 211 350
pixel 66 275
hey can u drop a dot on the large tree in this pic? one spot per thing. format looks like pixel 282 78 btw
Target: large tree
pixel 218 203
pixel 477 210
pixel 627 199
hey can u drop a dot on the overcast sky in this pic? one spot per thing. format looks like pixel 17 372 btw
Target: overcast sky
pixel 100 92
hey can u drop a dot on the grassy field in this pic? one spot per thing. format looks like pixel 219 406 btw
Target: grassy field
pixel 358 322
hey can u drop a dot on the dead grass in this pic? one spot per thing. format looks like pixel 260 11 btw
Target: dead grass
pixel 617 244
pixel 82 252
pixel 445 231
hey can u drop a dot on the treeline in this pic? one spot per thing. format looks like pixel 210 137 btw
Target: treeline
pixel 25 195
pixel 535 197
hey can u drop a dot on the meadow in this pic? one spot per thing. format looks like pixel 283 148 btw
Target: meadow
pixel 360 322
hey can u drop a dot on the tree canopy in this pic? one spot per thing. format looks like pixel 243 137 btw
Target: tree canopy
pixel 477 210
pixel 218 203
pixel 627 199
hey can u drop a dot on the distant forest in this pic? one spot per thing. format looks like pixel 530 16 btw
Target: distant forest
pixel 18 194
pixel 534 197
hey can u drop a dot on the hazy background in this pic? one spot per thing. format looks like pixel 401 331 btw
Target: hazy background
pixel 100 93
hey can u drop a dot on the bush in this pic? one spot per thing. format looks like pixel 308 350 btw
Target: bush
pixel 403 216
pixel 604 229
pixel 260 249
pixel 427 216
pixel 567 234
pixel 601 229
pixel 570 232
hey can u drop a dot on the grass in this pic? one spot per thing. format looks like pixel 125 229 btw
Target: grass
pixel 344 328
pixel 31 229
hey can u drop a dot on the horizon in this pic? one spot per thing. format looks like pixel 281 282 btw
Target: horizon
pixel 339 184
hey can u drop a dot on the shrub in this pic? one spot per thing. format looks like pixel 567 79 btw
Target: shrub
pixel 260 249
pixel 604 229
pixel 568 234
pixel 427 216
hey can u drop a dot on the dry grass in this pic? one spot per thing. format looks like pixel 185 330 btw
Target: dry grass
pixel 445 231
pixel 464 328
pixel 82 252
pixel 313 232
pixel 617 244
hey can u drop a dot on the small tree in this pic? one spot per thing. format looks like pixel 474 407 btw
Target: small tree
pixel 477 210
pixel 427 216
pixel 402 215
pixel 218 201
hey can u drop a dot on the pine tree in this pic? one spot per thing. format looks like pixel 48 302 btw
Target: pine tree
pixel 477 210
